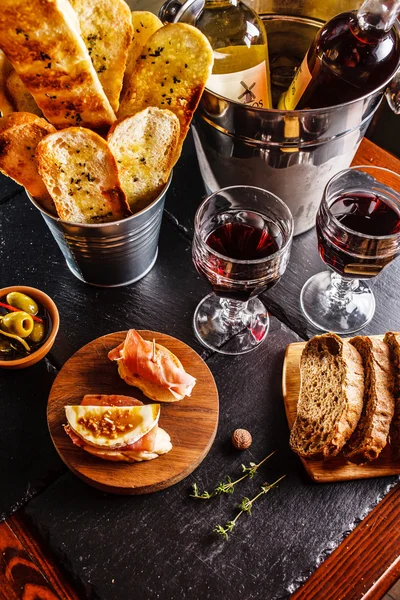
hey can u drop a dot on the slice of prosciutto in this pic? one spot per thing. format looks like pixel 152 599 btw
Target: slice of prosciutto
pixel 137 356
pixel 145 443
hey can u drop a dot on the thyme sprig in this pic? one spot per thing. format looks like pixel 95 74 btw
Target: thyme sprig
pixel 245 507
pixel 228 486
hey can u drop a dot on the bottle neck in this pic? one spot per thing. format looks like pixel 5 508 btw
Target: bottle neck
pixel 378 15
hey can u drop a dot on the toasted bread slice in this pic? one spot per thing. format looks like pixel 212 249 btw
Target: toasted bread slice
pixel 144 24
pixel 331 397
pixel 171 73
pixel 371 433
pixel 81 175
pixel 149 389
pixel 41 38
pixel 106 29
pixel 20 96
pixel 144 147
pixel 6 106
pixel 20 134
pixel 393 340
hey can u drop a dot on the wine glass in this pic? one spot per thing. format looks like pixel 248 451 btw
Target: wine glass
pixel 358 229
pixel 241 244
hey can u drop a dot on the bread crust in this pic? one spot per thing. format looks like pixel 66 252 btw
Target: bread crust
pixel 6 106
pixel 171 73
pixel 41 38
pixel 393 340
pixel 371 434
pixel 81 175
pixel 20 96
pixel 106 29
pixel 20 133
pixel 327 416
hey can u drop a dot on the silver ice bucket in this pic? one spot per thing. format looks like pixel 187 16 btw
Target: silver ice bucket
pixel 110 254
pixel 292 154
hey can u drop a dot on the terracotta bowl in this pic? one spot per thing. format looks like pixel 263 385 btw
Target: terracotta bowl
pixel 43 300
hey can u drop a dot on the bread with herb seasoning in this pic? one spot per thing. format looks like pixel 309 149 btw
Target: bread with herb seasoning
pixel 144 24
pixel 20 134
pixel 371 433
pixel 106 29
pixel 41 38
pixel 144 147
pixel 20 96
pixel 171 73
pixel 331 397
pixel 393 340
pixel 81 175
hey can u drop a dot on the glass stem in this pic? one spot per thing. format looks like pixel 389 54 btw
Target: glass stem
pixel 341 290
pixel 232 310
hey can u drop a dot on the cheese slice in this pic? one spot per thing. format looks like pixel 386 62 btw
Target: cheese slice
pixel 112 427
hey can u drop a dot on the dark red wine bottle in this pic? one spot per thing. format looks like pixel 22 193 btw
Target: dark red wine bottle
pixel 353 54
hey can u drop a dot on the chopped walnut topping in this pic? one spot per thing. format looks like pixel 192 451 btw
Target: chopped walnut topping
pixel 105 426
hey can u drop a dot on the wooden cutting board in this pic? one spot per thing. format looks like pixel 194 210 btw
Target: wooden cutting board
pixel 334 469
pixel 191 422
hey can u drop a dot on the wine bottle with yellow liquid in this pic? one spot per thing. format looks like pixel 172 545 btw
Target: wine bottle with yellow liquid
pixel 239 40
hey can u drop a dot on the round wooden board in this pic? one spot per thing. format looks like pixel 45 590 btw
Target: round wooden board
pixel 191 422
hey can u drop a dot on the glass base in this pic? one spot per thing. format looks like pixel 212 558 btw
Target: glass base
pixel 230 327
pixel 330 307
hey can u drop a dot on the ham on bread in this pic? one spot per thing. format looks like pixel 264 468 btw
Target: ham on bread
pixel 152 368
pixel 153 443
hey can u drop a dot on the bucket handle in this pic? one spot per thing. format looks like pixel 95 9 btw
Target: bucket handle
pixel 393 93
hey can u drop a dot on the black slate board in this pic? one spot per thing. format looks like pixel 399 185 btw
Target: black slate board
pixel 162 545
pixel 28 461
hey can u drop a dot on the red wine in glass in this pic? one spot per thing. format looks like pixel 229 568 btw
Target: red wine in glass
pixel 347 254
pixel 245 236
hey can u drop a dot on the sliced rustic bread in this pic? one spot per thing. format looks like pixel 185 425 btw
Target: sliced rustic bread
pixel 106 29
pixel 331 397
pixel 41 38
pixel 393 341
pixel 20 134
pixel 20 96
pixel 371 433
pixel 81 175
pixel 144 147
pixel 171 73
pixel 6 105
pixel 144 24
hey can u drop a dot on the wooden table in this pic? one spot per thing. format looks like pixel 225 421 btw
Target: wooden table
pixel 63 539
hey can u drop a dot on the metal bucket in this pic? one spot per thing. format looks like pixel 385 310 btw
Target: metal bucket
pixel 291 153
pixel 110 254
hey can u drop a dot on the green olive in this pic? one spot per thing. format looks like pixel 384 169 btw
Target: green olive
pixel 38 333
pixel 23 302
pixel 18 323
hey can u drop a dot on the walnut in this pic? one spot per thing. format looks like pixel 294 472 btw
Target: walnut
pixel 241 439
